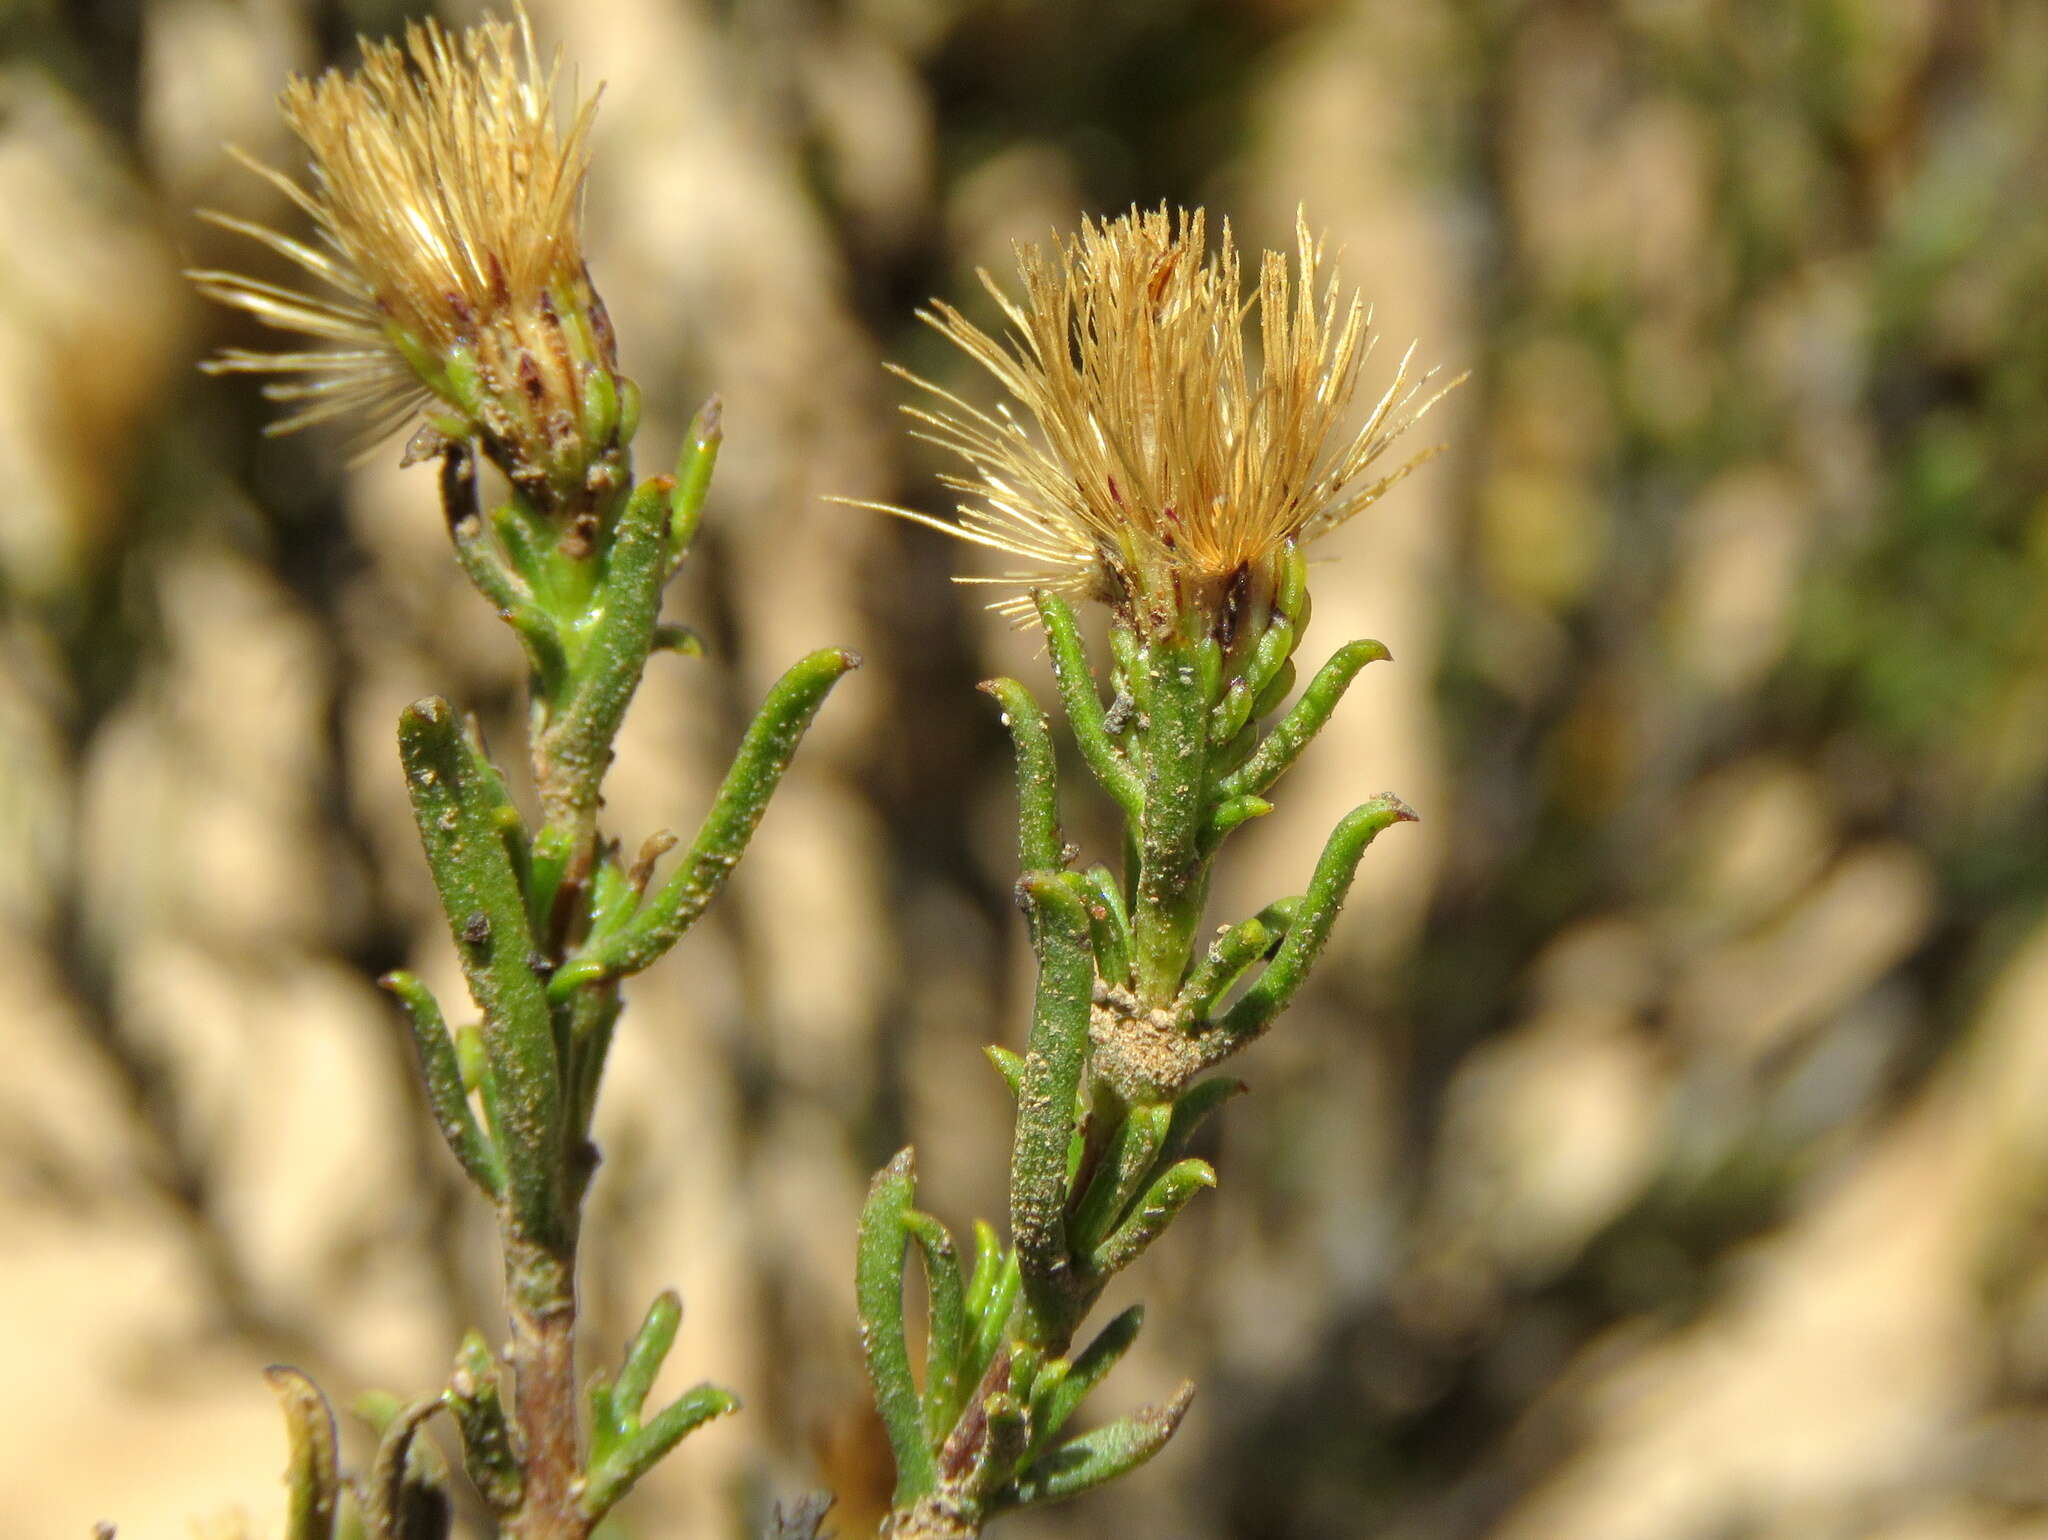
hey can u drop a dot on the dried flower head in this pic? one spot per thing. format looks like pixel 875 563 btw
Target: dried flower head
pixel 1168 471
pixel 448 211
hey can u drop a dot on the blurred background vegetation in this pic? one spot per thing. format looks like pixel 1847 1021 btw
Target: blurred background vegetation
pixel 1665 1154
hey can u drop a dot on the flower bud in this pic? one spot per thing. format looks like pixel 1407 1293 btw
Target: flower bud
pixel 448 210
pixel 1171 476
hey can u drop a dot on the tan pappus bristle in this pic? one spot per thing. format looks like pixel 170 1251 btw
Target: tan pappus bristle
pixel 443 195
pixel 1168 443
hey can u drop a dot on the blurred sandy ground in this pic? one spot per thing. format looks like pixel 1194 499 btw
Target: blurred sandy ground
pixel 1663 1155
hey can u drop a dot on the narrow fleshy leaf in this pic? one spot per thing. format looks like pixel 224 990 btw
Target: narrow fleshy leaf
pixel 456 798
pixel 764 754
pixel 1172 876
pixel 1046 1386
pixel 647 1352
pixel 313 1471
pixel 612 895
pixel 1126 1164
pixel 680 640
pixel 474 1062
pixel 593 1017
pixel 1040 846
pixel 547 862
pixel 1099 1457
pixel 988 1259
pixel 491 568
pixel 1275 694
pixel 447 1095
pixel 946 1312
pixel 1274 988
pixel 1270 654
pixel 646 1448
pixel 1230 814
pixel 1006 1434
pixel 1293 732
pixel 1223 964
pixel 1193 1107
pixel 1090 1368
pixel 477 1400
pixel 404 1498
pixel 1165 1198
pixel 992 1320
pixel 1109 925
pixel 523 534
pixel 1047 1115
pixel 694 465
pixel 1083 706
pixel 878 1290
pixel 1009 1065
pixel 605 669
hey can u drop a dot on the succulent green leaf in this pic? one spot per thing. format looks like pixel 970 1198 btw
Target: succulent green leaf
pixel 1009 1065
pixel 992 1321
pixel 1005 1435
pixel 1275 694
pixel 1163 1200
pixel 1109 925
pixel 593 1017
pixel 492 568
pixel 1231 813
pixel 313 1472
pixel 694 465
pixel 457 800
pixel 988 1255
pixel 447 1095
pixel 1096 1458
pixel 1040 846
pixel 524 536
pixel 475 1065
pixel 1133 1149
pixel 1055 1401
pixel 1083 705
pixel 1172 878
pixel 618 632
pixel 645 1355
pixel 476 1398
pixel 1310 930
pixel 878 1291
pixel 1231 954
pixel 680 640
pixel 1224 964
pixel 640 1453
pixel 405 1496
pixel 1047 1110
pixel 764 754
pixel 946 1339
pixel 1253 688
pixel 546 864
pixel 1194 1107
pixel 1293 732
